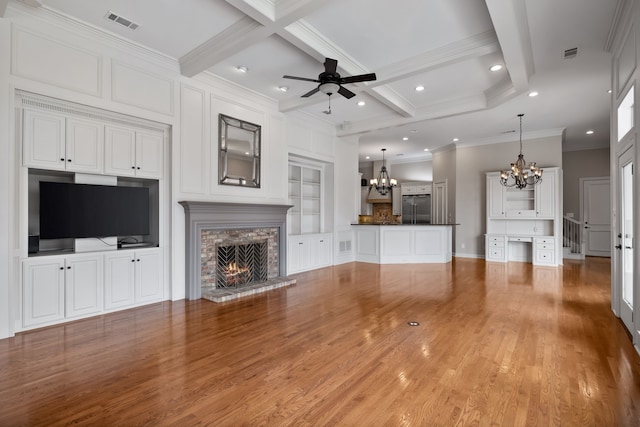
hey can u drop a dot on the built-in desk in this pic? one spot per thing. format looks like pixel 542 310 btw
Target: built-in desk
pixel 540 250
pixel 403 243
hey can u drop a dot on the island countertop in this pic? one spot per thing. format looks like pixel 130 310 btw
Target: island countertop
pixel 403 243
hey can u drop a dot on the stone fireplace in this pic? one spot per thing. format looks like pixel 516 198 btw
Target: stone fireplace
pixel 234 249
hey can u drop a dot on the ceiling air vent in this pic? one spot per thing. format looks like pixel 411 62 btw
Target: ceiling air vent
pixel 570 53
pixel 122 20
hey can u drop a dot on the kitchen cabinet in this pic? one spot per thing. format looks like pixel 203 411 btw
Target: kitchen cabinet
pixel 132 152
pixel 61 287
pixel 55 142
pixel 305 194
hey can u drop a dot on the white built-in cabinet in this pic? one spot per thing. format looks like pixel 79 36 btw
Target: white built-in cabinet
pixel 308 247
pixel 396 201
pixel 55 142
pixel 132 277
pixel 309 251
pixel 130 152
pixel 61 287
pixel 525 224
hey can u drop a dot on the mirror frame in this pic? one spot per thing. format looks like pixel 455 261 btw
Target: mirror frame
pixel 226 177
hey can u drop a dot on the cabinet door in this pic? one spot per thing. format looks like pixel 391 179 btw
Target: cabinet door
pixel 42 291
pixel 120 151
pixel 546 196
pixel 495 197
pixel 44 140
pixel 84 146
pixel 119 280
pixel 299 254
pixel 321 251
pixel 83 285
pixel 148 276
pixel 149 158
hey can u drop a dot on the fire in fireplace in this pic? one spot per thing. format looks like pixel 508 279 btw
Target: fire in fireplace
pixel 241 264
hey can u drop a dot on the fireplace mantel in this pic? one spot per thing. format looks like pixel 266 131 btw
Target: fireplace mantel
pixel 201 216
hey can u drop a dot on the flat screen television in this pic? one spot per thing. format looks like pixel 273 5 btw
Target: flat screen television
pixel 70 210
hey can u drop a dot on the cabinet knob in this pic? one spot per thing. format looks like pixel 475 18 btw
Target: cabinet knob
pixel 62 268
pixel 69 268
pixel 138 167
pixel 138 260
pixel 62 160
pixel 68 160
pixel 321 241
pixel 133 260
pixel 133 167
pixel 300 243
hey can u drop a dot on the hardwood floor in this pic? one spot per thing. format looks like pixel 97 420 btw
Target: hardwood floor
pixel 497 344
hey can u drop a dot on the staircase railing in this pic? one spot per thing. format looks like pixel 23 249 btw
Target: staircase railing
pixel 572 234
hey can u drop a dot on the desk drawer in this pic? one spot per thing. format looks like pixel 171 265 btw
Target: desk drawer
pixel 520 239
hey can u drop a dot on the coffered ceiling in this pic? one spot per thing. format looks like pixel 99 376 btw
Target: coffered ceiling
pixel 445 46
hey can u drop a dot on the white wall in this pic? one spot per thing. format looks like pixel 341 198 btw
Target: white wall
pixel 581 164
pixel 104 72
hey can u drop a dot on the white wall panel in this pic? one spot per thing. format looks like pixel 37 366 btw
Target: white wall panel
pixel 194 142
pixel 46 60
pixel 298 137
pixel 322 143
pixel 140 88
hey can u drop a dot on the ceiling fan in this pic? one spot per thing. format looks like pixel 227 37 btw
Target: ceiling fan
pixel 331 82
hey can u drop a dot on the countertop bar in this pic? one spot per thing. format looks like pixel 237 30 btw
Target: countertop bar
pixel 404 243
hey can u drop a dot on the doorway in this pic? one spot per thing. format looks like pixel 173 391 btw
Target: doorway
pixel 595 194
pixel 625 236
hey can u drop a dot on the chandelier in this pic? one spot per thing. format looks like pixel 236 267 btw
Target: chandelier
pixel 383 183
pixel 520 175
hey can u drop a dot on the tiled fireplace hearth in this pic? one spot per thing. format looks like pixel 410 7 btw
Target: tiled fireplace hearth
pixel 234 249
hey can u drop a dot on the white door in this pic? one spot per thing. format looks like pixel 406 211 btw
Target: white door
pixel 625 241
pixel 596 216
pixel 440 202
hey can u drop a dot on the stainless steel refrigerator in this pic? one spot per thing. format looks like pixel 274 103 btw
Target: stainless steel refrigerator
pixel 416 209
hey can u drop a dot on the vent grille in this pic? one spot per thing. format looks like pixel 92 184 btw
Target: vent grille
pixel 119 19
pixel 570 53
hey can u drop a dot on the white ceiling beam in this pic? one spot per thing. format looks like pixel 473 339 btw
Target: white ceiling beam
pixel 509 19
pixel 235 38
pixel 393 100
pixel 262 19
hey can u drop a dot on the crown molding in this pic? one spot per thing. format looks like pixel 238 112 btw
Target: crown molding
pixel 621 14
pixel 84 30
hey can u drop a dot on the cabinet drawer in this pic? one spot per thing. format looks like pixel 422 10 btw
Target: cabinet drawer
pixel 496 253
pixel 520 239
pixel 543 246
pixel 495 238
pixel 521 214
pixel 499 244
pixel 545 256
pixel 544 240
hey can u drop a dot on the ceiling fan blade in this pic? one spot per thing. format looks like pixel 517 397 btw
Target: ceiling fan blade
pixel 301 78
pixel 311 92
pixel 360 78
pixel 330 65
pixel 346 92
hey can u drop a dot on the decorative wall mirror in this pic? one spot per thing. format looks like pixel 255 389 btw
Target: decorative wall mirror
pixel 239 152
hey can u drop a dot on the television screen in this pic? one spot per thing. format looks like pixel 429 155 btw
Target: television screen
pixel 83 210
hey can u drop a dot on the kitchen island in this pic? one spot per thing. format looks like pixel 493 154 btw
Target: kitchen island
pixel 403 243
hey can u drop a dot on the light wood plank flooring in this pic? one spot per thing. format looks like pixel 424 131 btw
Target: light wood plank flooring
pixel 497 344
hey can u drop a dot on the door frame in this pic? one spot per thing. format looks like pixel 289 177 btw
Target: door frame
pixel 438 208
pixel 582 199
pixel 626 155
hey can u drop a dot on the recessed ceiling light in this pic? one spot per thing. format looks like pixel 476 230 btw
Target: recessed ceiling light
pixel 367 157
pixel 426 149
pixel 455 140
pixel 404 138
pixel 246 153
pixel 419 88
pixel 609 91
pixel 496 67
pixel 242 69
pixel 361 103
pixel 590 132
pixel 533 93
pixel 283 88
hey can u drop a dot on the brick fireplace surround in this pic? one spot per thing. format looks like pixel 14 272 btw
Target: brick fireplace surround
pixel 206 216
